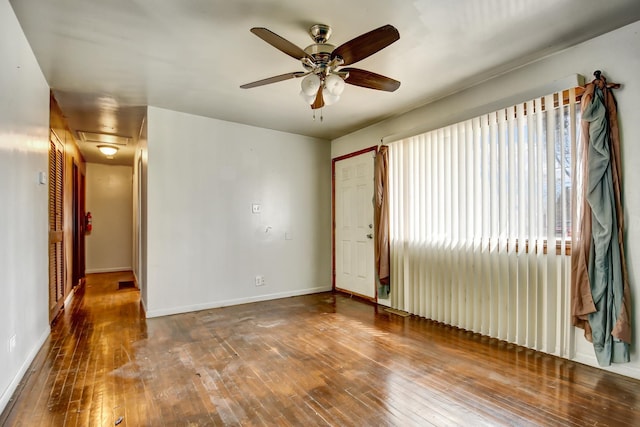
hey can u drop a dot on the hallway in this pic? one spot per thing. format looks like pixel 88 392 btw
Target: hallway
pixel 323 359
pixel 71 381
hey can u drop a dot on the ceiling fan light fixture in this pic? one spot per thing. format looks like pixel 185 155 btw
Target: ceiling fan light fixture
pixel 334 84
pixel 108 150
pixel 329 98
pixel 310 85
pixel 308 99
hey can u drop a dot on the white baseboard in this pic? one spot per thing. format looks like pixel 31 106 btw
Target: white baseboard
pixel 107 270
pixel 8 393
pixel 626 369
pixel 237 301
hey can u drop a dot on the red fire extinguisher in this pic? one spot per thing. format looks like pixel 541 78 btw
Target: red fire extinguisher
pixel 88 221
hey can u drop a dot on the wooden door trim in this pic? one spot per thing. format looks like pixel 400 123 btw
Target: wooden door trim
pixel 373 148
pixel 78 231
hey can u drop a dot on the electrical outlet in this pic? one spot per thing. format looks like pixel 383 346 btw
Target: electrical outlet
pixel 259 280
pixel 12 343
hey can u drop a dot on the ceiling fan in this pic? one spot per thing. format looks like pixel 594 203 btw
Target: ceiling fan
pixel 324 80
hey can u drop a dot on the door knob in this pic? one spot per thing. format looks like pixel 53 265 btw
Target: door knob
pixel 369 236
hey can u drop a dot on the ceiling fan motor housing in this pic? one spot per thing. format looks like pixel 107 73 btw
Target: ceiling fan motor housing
pixel 321 53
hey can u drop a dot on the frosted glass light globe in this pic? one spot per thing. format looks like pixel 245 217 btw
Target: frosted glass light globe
pixel 308 98
pixel 310 85
pixel 334 84
pixel 329 99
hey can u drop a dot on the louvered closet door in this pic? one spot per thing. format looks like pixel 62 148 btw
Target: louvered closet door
pixel 56 255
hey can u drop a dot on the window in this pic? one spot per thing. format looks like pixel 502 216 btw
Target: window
pixel 503 176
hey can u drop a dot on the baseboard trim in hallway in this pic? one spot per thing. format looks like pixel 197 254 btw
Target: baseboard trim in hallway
pixel 7 400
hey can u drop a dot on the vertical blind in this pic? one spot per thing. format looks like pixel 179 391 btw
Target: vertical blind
pixel 481 223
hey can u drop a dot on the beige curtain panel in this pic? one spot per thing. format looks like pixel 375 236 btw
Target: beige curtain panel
pixel 600 295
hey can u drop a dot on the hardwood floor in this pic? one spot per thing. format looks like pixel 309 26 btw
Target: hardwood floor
pixel 324 359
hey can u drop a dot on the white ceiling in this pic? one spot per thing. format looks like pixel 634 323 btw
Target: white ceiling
pixel 107 60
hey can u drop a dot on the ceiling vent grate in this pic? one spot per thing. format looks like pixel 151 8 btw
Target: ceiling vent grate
pixel 103 138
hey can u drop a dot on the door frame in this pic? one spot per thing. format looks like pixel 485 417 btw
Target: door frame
pixel 374 149
pixel 78 226
pixel 138 231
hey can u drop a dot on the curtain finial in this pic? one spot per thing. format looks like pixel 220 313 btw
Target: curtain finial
pixel 598 76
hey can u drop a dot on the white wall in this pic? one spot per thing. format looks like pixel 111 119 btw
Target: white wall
pixel 24 136
pixel 617 54
pixel 205 246
pixel 110 200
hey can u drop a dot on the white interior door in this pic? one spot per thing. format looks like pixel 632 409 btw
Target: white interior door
pixel 354 225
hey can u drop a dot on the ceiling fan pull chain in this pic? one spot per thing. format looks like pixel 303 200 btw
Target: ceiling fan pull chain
pixel 321 117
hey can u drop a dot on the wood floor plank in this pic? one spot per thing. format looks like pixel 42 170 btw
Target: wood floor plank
pixel 315 360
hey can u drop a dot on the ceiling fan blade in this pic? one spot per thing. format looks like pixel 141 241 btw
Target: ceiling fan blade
pixel 273 79
pixel 366 45
pixel 364 78
pixel 319 101
pixel 280 43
